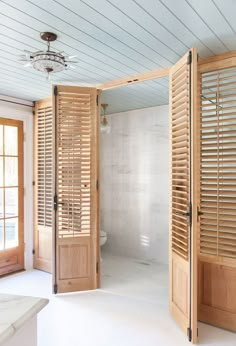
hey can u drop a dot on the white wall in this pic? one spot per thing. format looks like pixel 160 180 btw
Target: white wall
pixel 24 113
pixel 135 184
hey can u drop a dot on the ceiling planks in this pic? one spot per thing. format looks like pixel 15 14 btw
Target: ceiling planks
pixel 112 39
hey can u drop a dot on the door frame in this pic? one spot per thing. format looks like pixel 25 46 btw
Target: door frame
pixel 15 256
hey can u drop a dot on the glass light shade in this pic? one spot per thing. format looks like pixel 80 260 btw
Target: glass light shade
pixel 105 127
pixel 48 62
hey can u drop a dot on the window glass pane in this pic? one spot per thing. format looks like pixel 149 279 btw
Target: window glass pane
pixel 1 203
pixel 1 171
pixel 11 171
pixel 11 202
pixel 11 226
pixel 1 139
pixel 1 234
pixel 10 138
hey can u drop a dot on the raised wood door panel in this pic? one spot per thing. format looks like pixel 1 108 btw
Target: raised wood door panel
pixel 11 196
pixel 183 279
pixel 217 247
pixel 76 197
pixel 43 185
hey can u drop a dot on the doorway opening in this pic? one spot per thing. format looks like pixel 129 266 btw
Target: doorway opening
pixel 134 188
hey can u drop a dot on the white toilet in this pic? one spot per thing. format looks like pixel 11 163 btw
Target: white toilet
pixel 103 237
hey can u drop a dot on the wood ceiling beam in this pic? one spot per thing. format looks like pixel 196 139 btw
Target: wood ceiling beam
pixel 216 62
pixel 141 77
pixel 218 57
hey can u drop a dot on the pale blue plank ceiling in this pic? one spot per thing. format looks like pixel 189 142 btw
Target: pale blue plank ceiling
pixel 112 39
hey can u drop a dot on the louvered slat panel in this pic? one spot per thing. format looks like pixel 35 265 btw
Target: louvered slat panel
pixel 218 163
pixel 44 169
pixel 43 176
pixel 180 160
pixel 74 163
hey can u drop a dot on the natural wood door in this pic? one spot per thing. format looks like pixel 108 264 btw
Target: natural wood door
pixel 76 115
pixel 11 196
pixel 43 185
pixel 183 275
pixel 217 248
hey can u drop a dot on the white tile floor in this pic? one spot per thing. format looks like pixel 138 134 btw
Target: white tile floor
pixel 131 309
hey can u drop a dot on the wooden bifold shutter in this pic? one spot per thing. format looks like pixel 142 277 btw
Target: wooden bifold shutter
pixel 217 248
pixel 218 163
pixel 76 117
pixel 183 252
pixel 43 189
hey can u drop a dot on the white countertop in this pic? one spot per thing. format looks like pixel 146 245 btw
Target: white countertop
pixel 15 311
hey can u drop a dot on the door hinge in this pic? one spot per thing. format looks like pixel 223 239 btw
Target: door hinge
pixel 97 100
pixel 55 288
pixel 55 202
pixel 97 184
pixel 199 214
pixel 189 333
pixel 55 90
pixel 189 58
pixel 190 213
pixel 97 267
pixel 33 252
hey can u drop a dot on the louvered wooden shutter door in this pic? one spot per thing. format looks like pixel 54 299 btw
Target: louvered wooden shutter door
pixel 217 303
pixel 76 115
pixel 43 189
pixel 182 80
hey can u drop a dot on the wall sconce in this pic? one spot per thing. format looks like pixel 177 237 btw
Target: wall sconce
pixel 105 127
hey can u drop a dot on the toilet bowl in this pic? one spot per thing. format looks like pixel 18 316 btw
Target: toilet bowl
pixel 103 237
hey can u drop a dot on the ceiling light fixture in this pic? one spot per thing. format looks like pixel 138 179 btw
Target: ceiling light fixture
pixel 105 126
pixel 47 61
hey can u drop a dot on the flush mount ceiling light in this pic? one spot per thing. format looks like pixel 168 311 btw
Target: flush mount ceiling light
pixel 105 127
pixel 47 61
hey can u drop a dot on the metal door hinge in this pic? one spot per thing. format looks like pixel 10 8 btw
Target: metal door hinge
pixel 55 90
pixel 33 252
pixel 199 213
pixel 55 288
pixel 189 333
pixel 55 202
pixel 189 59
pixel 97 100
pixel 97 267
pixel 97 184
pixel 190 213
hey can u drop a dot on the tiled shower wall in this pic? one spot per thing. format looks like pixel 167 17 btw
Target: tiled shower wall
pixel 135 184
